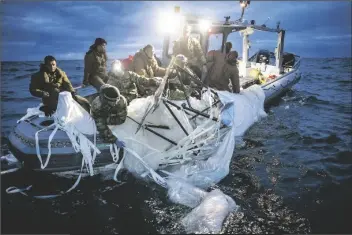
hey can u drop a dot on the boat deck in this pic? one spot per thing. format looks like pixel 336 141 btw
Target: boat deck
pixel 246 80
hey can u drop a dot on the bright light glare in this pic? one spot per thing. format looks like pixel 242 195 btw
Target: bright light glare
pixel 243 4
pixel 204 25
pixel 169 23
pixel 116 68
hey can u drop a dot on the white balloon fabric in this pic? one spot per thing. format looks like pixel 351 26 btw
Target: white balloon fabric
pixel 191 158
pixel 70 112
pixel 201 158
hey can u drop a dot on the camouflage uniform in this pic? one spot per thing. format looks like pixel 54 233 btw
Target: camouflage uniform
pixel 191 48
pixel 144 66
pixel 176 88
pixel 95 69
pixel 53 83
pixel 132 85
pixel 177 91
pixel 107 113
pixel 220 72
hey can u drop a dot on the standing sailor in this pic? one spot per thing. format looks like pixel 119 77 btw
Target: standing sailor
pixel 95 73
pixel 191 48
pixel 223 68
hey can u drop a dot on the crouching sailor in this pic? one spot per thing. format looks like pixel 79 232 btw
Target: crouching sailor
pixel 130 84
pixel 109 108
pixel 48 82
pixel 183 82
pixel 95 64
pixel 145 64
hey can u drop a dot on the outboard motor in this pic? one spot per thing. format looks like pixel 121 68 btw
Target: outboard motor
pixel 263 57
pixel 288 60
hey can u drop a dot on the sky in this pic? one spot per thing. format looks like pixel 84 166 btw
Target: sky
pixel 65 29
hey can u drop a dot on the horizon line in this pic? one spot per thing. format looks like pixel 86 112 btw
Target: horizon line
pixel 126 58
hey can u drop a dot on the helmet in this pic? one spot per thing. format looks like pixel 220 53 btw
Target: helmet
pixel 116 68
pixel 181 61
pixel 231 57
pixel 109 94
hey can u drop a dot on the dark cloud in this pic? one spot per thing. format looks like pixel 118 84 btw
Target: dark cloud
pixel 31 30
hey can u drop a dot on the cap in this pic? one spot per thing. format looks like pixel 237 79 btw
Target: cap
pixel 100 41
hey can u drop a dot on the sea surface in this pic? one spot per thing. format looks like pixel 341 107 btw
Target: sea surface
pixel 294 174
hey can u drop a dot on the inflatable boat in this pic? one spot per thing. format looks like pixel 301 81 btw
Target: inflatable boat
pixel 275 72
pixel 22 141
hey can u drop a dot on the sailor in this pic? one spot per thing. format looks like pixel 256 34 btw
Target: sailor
pixel 228 47
pixel 48 82
pixel 223 67
pixel 145 64
pixel 109 108
pixel 95 73
pixel 191 48
pixel 183 82
pixel 130 84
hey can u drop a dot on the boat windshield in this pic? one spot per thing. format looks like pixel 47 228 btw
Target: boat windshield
pixel 215 41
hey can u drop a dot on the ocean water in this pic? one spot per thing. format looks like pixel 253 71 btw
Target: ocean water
pixel 294 174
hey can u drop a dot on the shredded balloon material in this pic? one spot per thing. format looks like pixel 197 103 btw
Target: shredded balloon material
pixel 194 154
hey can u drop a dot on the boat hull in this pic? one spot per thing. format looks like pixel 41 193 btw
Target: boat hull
pixel 63 156
pixel 281 85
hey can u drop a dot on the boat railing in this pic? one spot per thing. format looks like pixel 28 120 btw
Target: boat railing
pixel 297 63
pixel 87 91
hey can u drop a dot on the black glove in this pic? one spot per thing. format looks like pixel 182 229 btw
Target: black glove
pixel 47 110
pixel 73 93
pixel 57 90
pixel 46 94
pixel 55 85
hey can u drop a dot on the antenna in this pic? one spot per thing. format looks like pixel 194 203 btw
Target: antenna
pixel 227 19
pixel 266 21
pixel 243 4
pixel 278 25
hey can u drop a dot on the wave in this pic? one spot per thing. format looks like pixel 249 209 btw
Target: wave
pixel 29 64
pixel 343 157
pixel 252 143
pixel 326 67
pixel 24 76
pixel 344 82
pixel 331 139
pixel 307 100
pixel 314 99
pixel 5 98
pixel 8 92
pixel 9 69
pixel 31 70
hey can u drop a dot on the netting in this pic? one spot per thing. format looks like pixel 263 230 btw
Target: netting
pixel 199 159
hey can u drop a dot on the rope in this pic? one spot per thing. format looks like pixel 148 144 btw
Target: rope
pixel 79 143
pixel 13 189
